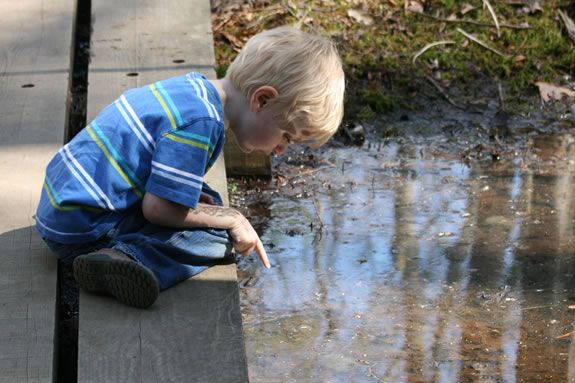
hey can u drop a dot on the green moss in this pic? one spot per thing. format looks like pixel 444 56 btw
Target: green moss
pixel 232 186
pixel 380 55
pixel 378 101
pixel 221 70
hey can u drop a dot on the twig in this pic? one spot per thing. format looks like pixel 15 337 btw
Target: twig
pixel 372 374
pixel 564 336
pixel 535 307
pixel 300 22
pixel 443 93
pixel 475 39
pixel 320 228
pixel 490 9
pixel 569 24
pixel 473 22
pixel 501 99
pixel 422 50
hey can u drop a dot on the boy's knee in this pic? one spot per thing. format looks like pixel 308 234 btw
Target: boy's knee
pixel 209 242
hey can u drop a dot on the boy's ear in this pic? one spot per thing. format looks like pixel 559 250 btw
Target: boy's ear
pixel 261 97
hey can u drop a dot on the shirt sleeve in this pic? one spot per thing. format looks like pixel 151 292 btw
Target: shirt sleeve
pixel 180 160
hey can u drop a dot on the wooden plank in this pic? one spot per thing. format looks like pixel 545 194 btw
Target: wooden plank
pixel 193 333
pixel 36 40
pixel 239 163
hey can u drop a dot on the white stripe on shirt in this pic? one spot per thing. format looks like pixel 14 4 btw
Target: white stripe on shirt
pixel 70 167
pixel 137 120
pixel 52 230
pixel 177 171
pixel 145 143
pixel 199 94
pixel 177 179
pixel 205 93
pixel 100 192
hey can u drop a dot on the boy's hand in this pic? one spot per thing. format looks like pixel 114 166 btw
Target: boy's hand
pixel 246 240
pixel 163 212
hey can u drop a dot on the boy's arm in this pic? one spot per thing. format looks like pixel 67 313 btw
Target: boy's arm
pixel 163 212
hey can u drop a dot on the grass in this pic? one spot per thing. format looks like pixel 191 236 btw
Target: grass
pixel 377 58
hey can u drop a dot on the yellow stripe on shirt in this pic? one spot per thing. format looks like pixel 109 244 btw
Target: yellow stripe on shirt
pixel 164 106
pixel 113 161
pixel 188 142
pixel 68 207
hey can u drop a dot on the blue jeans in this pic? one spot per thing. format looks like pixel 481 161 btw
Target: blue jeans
pixel 173 255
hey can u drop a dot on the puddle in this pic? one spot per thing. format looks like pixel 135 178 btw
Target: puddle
pixel 399 263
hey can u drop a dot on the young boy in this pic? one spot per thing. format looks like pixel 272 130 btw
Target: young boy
pixel 124 202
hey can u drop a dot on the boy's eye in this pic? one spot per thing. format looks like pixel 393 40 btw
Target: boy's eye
pixel 287 138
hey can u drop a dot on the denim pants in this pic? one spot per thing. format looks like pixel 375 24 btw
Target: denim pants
pixel 173 255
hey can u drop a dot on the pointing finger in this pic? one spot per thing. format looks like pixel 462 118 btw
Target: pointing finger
pixel 262 254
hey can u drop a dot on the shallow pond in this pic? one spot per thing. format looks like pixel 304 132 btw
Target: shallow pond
pixel 401 263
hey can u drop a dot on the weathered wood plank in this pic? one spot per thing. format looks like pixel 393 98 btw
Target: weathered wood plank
pixel 193 333
pixel 239 163
pixel 35 41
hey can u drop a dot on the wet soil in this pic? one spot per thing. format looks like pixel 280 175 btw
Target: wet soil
pixel 415 258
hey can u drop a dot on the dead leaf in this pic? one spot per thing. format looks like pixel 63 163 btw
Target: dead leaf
pixel 413 6
pixel 534 7
pixel 527 6
pixel 466 8
pixel 551 91
pixel 519 58
pixel 233 39
pixel 360 16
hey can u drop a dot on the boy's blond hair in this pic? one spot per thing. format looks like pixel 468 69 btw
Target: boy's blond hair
pixel 306 71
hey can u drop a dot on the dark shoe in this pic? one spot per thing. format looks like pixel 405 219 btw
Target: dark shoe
pixel 115 273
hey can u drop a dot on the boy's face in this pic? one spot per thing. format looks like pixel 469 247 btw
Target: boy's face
pixel 256 129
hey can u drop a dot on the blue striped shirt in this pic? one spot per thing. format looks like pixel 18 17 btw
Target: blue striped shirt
pixel 160 138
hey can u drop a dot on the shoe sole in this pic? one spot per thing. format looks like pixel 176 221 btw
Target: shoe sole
pixel 130 282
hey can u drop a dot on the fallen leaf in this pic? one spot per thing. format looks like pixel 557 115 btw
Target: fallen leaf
pixel 527 6
pixel 232 39
pixel 466 8
pixel 360 16
pixel 413 6
pixel 549 91
pixel 534 7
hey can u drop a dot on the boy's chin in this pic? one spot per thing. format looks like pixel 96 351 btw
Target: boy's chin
pixel 244 149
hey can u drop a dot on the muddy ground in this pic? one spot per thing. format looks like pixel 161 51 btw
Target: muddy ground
pixel 435 255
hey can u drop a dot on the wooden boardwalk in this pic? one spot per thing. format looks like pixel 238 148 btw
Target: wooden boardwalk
pixel 193 333
pixel 35 41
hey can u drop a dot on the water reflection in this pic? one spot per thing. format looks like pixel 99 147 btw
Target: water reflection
pixel 425 270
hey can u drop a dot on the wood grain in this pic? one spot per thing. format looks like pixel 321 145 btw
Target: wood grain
pixel 239 163
pixel 193 333
pixel 35 41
